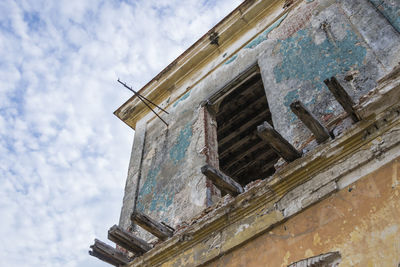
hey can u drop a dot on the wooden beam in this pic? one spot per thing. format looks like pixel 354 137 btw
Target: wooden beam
pixel 233 84
pixel 342 97
pixel 160 230
pixel 226 149
pixel 254 172
pixel 259 105
pixel 277 142
pixel 232 152
pixel 245 129
pixel 258 151
pixel 241 102
pixel 222 181
pixel 128 241
pixel 266 157
pixel 313 124
pixel 108 254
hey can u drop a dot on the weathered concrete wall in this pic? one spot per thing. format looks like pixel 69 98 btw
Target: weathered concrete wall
pixel 390 9
pixel 133 178
pixel 318 40
pixel 315 40
pixel 361 222
pixel 336 165
pixel 171 181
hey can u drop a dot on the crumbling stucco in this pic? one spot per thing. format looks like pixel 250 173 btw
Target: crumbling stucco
pixel 302 46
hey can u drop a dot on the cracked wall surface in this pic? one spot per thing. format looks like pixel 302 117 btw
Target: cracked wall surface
pixel 355 40
pixel 362 221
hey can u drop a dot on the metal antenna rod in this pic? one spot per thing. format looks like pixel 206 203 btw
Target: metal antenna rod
pixel 142 98
pixel 139 95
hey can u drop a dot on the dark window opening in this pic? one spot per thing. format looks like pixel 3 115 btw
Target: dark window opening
pixel 243 155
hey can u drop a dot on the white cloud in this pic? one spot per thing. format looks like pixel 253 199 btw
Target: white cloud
pixel 63 154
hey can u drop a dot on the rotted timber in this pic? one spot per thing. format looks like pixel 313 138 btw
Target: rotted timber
pixel 313 124
pixel 108 254
pixel 128 241
pixel 281 146
pixel 342 97
pixel 160 230
pixel 222 181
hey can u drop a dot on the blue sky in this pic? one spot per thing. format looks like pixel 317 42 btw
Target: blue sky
pixel 63 154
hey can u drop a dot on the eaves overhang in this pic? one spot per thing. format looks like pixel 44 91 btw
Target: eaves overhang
pixel 206 49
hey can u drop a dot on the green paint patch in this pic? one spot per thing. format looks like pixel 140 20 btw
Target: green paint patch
pixel 264 35
pixel 181 99
pixel 178 151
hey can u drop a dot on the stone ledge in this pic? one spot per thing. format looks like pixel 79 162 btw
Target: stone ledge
pixel 225 226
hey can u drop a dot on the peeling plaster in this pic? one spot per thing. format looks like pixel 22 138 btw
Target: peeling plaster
pixel 178 151
pixel 305 60
pixel 181 99
pixel 390 10
pixel 231 59
pixel 264 35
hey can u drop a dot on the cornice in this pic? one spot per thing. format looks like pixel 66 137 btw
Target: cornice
pixel 230 29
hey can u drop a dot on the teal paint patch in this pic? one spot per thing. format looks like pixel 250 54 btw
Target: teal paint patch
pixel 290 97
pixel 181 99
pixel 231 59
pixel 264 35
pixel 154 196
pixel 307 61
pixel 390 9
pixel 147 188
pixel 178 151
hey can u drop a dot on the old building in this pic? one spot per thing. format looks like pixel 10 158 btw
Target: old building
pixel 276 143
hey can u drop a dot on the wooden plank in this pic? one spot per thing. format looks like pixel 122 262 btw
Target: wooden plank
pixel 254 172
pixel 238 116
pixel 108 254
pixel 160 230
pixel 277 142
pixel 128 241
pixel 228 148
pixel 342 97
pixel 233 84
pixel 222 181
pixel 260 150
pixel 267 158
pixel 313 124
pixel 245 129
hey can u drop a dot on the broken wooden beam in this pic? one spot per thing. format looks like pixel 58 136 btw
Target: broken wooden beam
pixel 313 124
pixel 222 181
pixel 342 97
pixel 108 254
pixel 160 230
pixel 128 241
pixel 279 144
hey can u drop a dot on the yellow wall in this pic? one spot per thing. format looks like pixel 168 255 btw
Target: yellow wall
pixel 362 222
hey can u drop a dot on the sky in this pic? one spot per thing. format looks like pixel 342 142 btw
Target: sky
pixel 63 154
